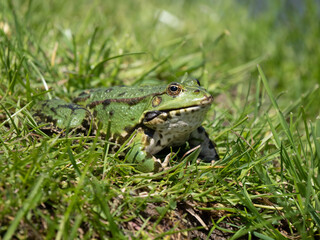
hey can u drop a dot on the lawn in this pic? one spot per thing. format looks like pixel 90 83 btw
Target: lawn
pixel 258 59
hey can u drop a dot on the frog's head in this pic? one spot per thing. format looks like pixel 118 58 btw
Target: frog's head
pixel 187 97
pixel 186 94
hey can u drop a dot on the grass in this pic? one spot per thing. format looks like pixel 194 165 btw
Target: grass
pixel 259 63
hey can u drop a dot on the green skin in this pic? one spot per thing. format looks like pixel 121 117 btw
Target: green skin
pixel 156 116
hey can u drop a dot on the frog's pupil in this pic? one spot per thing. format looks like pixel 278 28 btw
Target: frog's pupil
pixel 173 88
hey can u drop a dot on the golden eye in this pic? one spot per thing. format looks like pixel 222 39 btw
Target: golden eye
pixel 174 89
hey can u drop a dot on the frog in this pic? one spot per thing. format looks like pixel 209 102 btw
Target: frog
pixel 148 118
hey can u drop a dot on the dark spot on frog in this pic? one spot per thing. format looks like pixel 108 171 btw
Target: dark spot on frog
pixel 82 94
pixel 141 89
pixel 160 135
pixel 82 97
pixel 47 119
pixel 133 101
pixel 178 113
pixel 71 106
pixel 158 143
pixel 211 146
pixel 95 113
pixel 86 92
pixel 109 90
pixel 45 103
pixel 86 122
pixel 149 132
pixel 200 129
pixel 127 128
pixel 53 110
pixel 50 119
pixel 111 113
pixel 105 104
pixel 121 94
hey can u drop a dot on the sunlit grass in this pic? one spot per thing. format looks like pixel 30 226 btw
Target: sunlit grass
pixel 260 66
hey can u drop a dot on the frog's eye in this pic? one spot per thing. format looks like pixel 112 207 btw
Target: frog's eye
pixel 174 89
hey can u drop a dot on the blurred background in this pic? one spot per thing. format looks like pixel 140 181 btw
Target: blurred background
pixel 220 42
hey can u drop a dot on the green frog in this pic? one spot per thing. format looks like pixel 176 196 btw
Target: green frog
pixel 148 118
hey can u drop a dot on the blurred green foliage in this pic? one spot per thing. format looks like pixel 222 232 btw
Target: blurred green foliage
pixel 228 33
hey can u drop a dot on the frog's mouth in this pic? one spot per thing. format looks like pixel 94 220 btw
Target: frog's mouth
pixel 205 103
pixel 149 116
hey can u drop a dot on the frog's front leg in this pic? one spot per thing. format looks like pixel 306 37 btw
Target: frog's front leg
pixel 208 151
pixel 145 162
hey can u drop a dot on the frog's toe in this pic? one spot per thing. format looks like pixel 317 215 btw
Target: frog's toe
pixel 162 165
pixel 166 161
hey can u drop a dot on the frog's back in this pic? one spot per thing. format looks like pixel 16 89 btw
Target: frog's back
pixel 118 93
pixel 120 106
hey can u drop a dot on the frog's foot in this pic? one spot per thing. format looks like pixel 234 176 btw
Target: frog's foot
pixel 159 165
pixel 165 163
pixel 208 149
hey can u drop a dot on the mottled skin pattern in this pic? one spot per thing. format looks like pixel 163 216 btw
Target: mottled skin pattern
pixel 156 116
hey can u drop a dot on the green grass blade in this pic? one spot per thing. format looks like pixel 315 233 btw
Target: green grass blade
pixel 99 64
pixel 27 204
pixel 314 214
pixel 91 43
pixel 116 232
pixel 275 105
pixel 72 160
pixel 182 42
pixel 45 85
pixel 262 236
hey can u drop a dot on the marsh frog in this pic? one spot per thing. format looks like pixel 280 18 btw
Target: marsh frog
pixel 149 117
